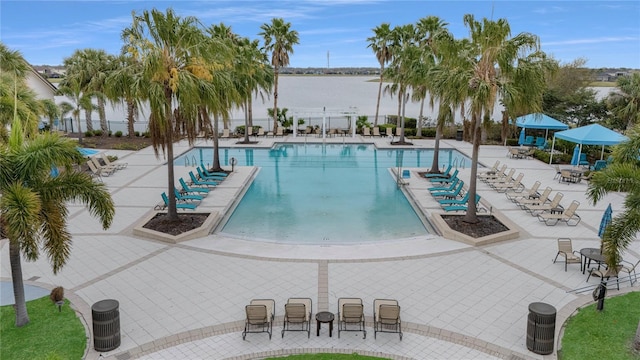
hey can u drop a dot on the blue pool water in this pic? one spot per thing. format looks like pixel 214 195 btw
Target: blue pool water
pixel 323 193
pixel 30 292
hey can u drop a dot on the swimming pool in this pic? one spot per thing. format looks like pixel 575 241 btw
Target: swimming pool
pixel 324 193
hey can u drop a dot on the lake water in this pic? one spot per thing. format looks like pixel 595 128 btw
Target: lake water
pixel 309 97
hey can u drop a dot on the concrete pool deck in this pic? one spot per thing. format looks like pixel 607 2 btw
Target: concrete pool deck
pixel 186 300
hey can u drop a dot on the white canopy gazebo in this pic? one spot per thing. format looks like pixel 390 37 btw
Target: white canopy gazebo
pixel 350 113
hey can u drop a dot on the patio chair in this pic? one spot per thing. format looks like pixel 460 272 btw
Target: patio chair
pixel 220 174
pixel 117 165
pixel 225 134
pixel 308 131
pixel 514 153
pixel 446 173
pixel 630 268
pixel 553 206
pixel 386 317
pixel 450 194
pixel 529 140
pixel 351 313
pixel 297 311
pixel 260 132
pixel 523 203
pixel 515 185
pixel 206 177
pixel 606 274
pixel 568 216
pixel 187 189
pixel 448 179
pixel 260 314
pixel 187 197
pixel 366 131
pixel 451 202
pixel 517 193
pixel 249 131
pixel 96 162
pixel 558 171
pixel 179 205
pixel 583 160
pixel 540 143
pixel 197 182
pixel 451 186
pixel 507 178
pixel 99 171
pixel 376 131
pixel 565 249
pixel 279 132
pixel 599 165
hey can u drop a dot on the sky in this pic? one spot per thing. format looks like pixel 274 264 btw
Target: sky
pixel 333 33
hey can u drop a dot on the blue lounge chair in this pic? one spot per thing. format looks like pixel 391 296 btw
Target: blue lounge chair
pixel 451 187
pixel 459 207
pixel 446 173
pixel 599 165
pixel 540 143
pixel 452 202
pixel 196 181
pixel 187 189
pixel 179 205
pixel 528 141
pixel 583 160
pixel 203 176
pixel 450 194
pixel 446 179
pixel 187 197
pixel 213 173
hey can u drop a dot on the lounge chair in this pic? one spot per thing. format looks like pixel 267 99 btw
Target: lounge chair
pixel 249 131
pixel 540 143
pixel 187 197
pixel 450 194
pixel 452 202
pixel 515 194
pixel 460 207
pixel 366 131
pixel 599 165
pixel 187 189
pixel 448 179
pixel 376 131
pixel 220 174
pixel 583 160
pixel 446 173
pixel 565 249
pixel 528 141
pixel 225 134
pixel 260 132
pixel 298 311
pixel 386 317
pixel 507 178
pixel 516 184
pixel 117 165
pixel 99 171
pixel 96 162
pixel 350 313
pixel 523 203
pixel 558 171
pixel 197 182
pixel 568 216
pixel 308 131
pixel 203 176
pixel 179 205
pixel 451 186
pixel 553 206
pixel 389 132
pixel 260 315
pixel 493 175
pixel 492 170
pixel 280 131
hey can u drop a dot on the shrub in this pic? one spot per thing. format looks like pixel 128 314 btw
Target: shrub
pixel 512 142
pixel 97 132
pixel 146 134
pixel 88 133
pixel 136 133
pixel 118 134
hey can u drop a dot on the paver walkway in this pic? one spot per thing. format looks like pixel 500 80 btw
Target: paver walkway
pixel 186 301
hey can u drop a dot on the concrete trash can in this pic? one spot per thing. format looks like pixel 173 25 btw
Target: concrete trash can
pixel 459 135
pixel 106 325
pixel 541 327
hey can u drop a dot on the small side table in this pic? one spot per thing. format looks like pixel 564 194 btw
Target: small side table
pixel 324 317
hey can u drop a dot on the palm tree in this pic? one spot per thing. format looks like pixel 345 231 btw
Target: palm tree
pixel 279 40
pixel 79 101
pixel 125 83
pixel 172 51
pixel 380 44
pixel 488 64
pixel 50 110
pixel 33 203
pixel 625 103
pixel 622 175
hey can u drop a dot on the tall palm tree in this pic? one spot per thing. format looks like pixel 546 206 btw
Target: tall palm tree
pixel 279 40
pixel 489 64
pixel 625 103
pixel 50 110
pixel 79 101
pixel 622 175
pixel 172 52
pixel 125 83
pixel 33 204
pixel 380 44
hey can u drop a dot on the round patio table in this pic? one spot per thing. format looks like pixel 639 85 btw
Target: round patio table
pixel 324 317
pixel 588 254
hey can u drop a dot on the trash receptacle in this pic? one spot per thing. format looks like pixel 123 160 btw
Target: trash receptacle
pixel 541 327
pixel 459 135
pixel 106 325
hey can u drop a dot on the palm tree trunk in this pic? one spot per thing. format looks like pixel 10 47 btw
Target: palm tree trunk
pixel 419 122
pixel 375 121
pixel 216 150
pixel 405 98
pixel 22 317
pixel 172 211
pixel 103 117
pixel 435 166
pixel 250 110
pixel 89 120
pixel 471 215
pixel 131 108
pixel 275 99
pixel 79 128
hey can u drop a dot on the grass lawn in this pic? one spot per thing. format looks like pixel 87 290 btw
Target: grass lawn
pixel 50 334
pixel 609 334
pixel 353 356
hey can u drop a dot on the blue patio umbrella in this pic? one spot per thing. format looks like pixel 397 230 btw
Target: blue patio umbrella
pixel 521 138
pixel 576 156
pixel 606 219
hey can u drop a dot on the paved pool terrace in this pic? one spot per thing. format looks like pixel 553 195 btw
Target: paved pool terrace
pixel 186 300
